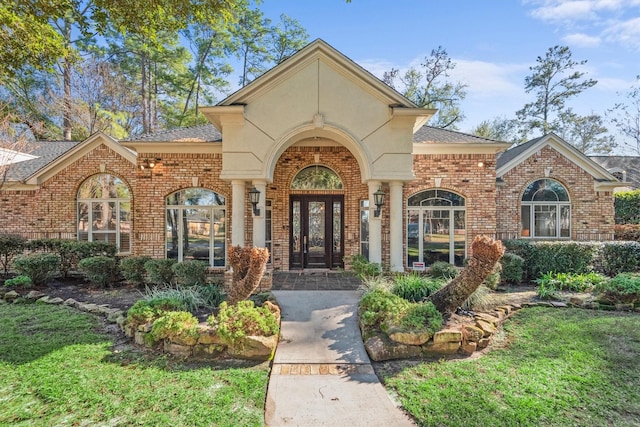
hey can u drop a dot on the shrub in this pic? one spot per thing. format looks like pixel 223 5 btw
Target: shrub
pixel 189 297
pixel 234 322
pixel 620 257
pixel 378 305
pixel 443 270
pixel 148 310
pixel 40 268
pixel 512 268
pixel 414 287
pixel 563 257
pixel 212 294
pixel 627 232
pixel 10 246
pixel 191 273
pixel 133 268
pixel 175 326
pixel 363 268
pixel 627 207
pixel 100 270
pixel 480 299
pixel 72 251
pixel 422 316
pixel 624 288
pixel 18 282
pixel 550 283
pixel 160 271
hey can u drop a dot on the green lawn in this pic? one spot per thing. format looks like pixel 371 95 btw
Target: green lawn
pixel 557 367
pixel 57 368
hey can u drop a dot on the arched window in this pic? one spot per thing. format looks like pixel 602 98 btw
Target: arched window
pixel 316 178
pixel 546 210
pixel 436 228
pixel 196 226
pixel 104 211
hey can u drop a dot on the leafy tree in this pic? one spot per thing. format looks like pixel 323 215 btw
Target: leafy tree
pixel 287 38
pixel 427 87
pixel 553 81
pixel 587 133
pixel 626 117
pixel 499 129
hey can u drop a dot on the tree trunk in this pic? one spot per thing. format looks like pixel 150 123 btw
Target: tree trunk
pixel 143 93
pixel 248 267
pixel 486 253
pixel 66 78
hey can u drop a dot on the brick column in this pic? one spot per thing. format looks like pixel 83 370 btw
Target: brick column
pixel 395 225
pixel 259 221
pixel 237 218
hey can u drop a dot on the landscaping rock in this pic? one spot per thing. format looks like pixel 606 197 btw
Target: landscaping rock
pixel 507 309
pixel 11 296
pixel 43 300
pixel 274 309
pixel 487 328
pixel 624 307
pixel 178 350
pixel 473 333
pixel 120 321
pixel 576 301
pixel 71 302
pixel 559 304
pixel 468 347
pixel 138 337
pixel 208 335
pixel 487 318
pixel 380 347
pixel 34 295
pixel 55 301
pixel 483 343
pixel 443 348
pixel 114 314
pixel 447 335
pixel 254 347
pixel 407 336
pixel 208 351
pixel 185 340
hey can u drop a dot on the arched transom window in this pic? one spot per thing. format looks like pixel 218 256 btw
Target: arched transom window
pixel 436 228
pixel 316 178
pixel 546 210
pixel 196 226
pixel 104 211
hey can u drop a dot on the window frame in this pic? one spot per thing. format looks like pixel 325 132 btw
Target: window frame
pixel 536 210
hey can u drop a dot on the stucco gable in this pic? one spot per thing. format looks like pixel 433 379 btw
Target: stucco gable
pixel 76 152
pixel 515 156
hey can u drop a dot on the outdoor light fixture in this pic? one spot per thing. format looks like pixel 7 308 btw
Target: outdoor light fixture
pixel 378 199
pixel 254 198
pixel 149 164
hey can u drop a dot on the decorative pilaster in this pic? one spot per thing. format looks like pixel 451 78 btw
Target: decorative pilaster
pixel 395 225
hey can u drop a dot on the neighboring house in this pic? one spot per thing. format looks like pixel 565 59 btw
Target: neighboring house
pixel 625 168
pixel 317 141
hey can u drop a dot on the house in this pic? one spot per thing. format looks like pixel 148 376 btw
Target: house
pixel 625 168
pixel 318 160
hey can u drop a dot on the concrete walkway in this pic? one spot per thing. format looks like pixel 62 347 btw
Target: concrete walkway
pixel 321 374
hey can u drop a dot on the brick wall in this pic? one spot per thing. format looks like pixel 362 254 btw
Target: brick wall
pixel 592 215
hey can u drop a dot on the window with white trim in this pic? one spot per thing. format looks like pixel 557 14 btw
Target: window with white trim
pixel 196 226
pixel 104 211
pixel 546 210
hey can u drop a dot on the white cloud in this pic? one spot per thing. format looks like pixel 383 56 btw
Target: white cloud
pixel 490 80
pixel 626 33
pixel 376 67
pixel 581 40
pixel 560 10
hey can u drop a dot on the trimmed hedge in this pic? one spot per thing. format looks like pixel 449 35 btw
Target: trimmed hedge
pixel 72 251
pixel 100 270
pixel 627 207
pixel 10 246
pixel 512 268
pixel 40 268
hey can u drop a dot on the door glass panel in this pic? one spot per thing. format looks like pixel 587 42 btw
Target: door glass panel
pixel 565 221
pixel 459 237
pixel 545 221
pixel 413 238
pixel 295 225
pixel 316 236
pixel 197 228
pixel 436 236
pixel 337 227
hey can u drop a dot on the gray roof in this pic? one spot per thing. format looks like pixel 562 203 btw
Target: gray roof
pixel 46 152
pixel 202 133
pixel 513 152
pixel 430 134
pixel 629 164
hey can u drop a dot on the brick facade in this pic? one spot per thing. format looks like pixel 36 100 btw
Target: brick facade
pixel 592 214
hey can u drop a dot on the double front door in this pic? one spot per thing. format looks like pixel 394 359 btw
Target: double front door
pixel 316 231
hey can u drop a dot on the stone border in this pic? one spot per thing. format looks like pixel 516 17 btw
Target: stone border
pixel 207 346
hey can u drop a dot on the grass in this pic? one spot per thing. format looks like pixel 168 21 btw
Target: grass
pixel 58 368
pixel 567 367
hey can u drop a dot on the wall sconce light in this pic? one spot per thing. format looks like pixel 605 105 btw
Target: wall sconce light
pixel 480 164
pixel 254 198
pixel 149 164
pixel 378 199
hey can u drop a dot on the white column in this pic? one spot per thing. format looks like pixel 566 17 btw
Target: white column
pixel 259 221
pixel 395 225
pixel 238 209
pixel 375 226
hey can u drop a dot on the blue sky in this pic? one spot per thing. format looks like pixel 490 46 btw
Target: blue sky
pixel 493 42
